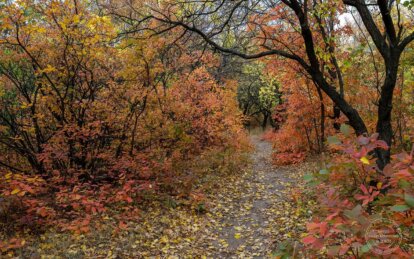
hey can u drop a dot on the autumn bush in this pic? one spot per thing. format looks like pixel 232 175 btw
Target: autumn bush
pixel 300 129
pixel 354 197
pixel 88 124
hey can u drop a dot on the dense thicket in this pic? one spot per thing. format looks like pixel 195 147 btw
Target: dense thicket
pixel 90 118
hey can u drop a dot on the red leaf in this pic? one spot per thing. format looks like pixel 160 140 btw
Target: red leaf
pixel 128 199
pixel 122 225
pixel 323 228
pixel 42 211
pixel 364 189
pixel 343 249
pixel 309 240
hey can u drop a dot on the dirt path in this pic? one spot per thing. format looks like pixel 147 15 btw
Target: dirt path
pixel 258 211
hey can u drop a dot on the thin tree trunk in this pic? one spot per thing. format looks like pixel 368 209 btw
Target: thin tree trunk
pixel 322 120
pixel 265 119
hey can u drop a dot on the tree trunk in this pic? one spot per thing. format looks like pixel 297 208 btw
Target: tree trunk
pixel 272 122
pixel 265 118
pixel 384 126
pixel 246 109
pixel 353 116
pixel 336 116
pixel 322 121
pixel 355 120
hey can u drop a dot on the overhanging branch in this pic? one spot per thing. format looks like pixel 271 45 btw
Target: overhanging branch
pixel 233 51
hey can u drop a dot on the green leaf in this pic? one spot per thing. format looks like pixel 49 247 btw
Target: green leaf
pixel 403 184
pixel 346 130
pixel 409 199
pixel 333 140
pixel 365 248
pixel 400 208
pixel 324 171
pixel 308 177
pixel 347 64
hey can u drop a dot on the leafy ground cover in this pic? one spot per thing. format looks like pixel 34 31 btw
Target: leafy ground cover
pixel 245 214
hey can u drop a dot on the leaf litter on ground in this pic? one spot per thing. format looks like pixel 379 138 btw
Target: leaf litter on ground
pixel 247 215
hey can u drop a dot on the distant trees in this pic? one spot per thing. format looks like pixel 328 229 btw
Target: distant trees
pixel 257 93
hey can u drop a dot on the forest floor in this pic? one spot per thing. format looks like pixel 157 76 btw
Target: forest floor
pixel 247 214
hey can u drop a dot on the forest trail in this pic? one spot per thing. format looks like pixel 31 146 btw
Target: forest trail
pixel 259 213
pixel 248 214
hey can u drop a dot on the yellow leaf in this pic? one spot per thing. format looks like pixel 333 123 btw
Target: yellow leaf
pixel 41 29
pixel 379 185
pixel 76 19
pixel 15 191
pixel 364 160
pixel 164 239
pixel 48 69
pixel 25 105
pixel 237 236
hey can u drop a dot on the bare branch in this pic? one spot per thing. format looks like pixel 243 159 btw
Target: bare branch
pixel 233 51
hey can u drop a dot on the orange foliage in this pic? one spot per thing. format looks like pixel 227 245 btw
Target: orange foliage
pixel 88 124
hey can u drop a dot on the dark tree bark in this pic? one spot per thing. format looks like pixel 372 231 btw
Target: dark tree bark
pixel 314 71
pixel 322 121
pixel 390 47
pixel 384 126
pixel 265 119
